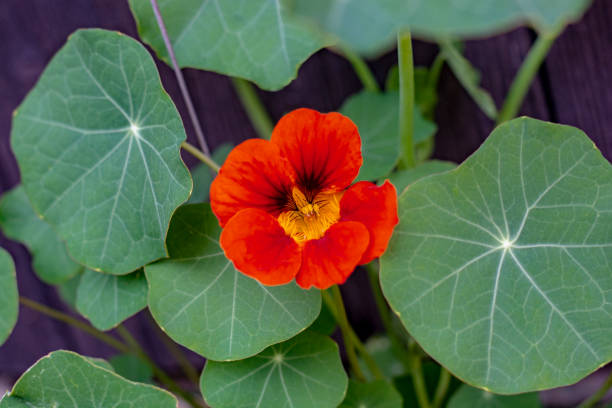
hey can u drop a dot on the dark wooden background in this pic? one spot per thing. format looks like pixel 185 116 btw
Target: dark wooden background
pixel 573 87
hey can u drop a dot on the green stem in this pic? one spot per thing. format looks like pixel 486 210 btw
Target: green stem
pixel 418 380
pixel 442 388
pixel 254 108
pixel 406 103
pixel 362 70
pixel 200 156
pixel 433 75
pixel 383 310
pixel 78 324
pixel 524 77
pixel 595 398
pixel 164 378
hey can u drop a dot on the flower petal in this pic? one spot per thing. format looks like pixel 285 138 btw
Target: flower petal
pixel 324 149
pixel 254 175
pixel 376 208
pixel 332 259
pixel 257 245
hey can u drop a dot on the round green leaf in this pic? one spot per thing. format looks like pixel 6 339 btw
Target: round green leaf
pixel 131 367
pixel 500 268
pixel 303 372
pixel 470 397
pixel 107 300
pixel 64 379
pixel 9 303
pixel 205 304
pixel 377 118
pixel 18 220
pixel 258 40
pixel 97 141
pixel 376 394
pixel 404 178
pixel 370 26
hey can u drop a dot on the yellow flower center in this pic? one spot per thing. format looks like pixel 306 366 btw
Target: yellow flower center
pixel 310 219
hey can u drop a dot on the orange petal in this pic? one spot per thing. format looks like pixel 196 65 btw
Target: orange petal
pixel 324 149
pixel 254 175
pixel 332 259
pixel 257 245
pixel 376 208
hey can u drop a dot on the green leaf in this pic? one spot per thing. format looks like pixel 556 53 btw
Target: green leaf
pixel 431 370
pixel 325 323
pixel 469 77
pixel 381 351
pixel 303 372
pixel 9 300
pixel 369 27
pixel 131 367
pixel 258 40
pixel 403 178
pixel 376 394
pixel 19 222
pixel 470 397
pixel 68 290
pixel 205 304
pixel 202 175
pixel 377 116
pixel 97 141
pixel 107 300
pixel 500 268
pixel 100 362
pixel 64 379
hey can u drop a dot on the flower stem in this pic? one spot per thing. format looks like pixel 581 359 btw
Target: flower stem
pixel 418 380
pixel 442 387
pixel 164 378
pixel 207 160
pixel 406 103
pixel 362 70
pixel 595 398
pixel 524 77
pixel 180 79
pixel 254 108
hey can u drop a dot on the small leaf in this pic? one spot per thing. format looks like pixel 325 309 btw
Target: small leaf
pixel 97 141
pixel 381 351
pixel 377 116
pixel 64 379
pixel 132 368
pixel 469 77
pixel 305 371
pixel 202 174
pixel 18 220
pixel 107 300
pixel 500 268
pixel 205 304
pixel 9 302
pixel 470 397
pixel 376 394
pixel 325 323
pixel 258 40
pixel 403 178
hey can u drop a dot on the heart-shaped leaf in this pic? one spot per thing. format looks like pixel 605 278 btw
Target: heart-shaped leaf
pixel 64 379
pixel 9 303
pixel 107 300
pixel 50 259
pixel 303 372
pixel 500 268
pixel 97 141
pixel 470 397
pixel 370 26
pixel 205 304
pixel 376 394
pixel 258 40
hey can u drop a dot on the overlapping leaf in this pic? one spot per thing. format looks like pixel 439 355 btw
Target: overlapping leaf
pixel 64 379
pixel 107 300
pixel 404 178
pixel 205 304
pixel 369 26
pixel 202 174
pixel 258 40
pixel 97 141
pixel 49 256
pixel 500 268
pixel 470 397
pixel 303 372
pixel 376 394
pixel 9 303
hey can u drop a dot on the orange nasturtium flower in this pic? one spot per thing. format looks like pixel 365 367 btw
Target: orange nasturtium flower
pixel 286 207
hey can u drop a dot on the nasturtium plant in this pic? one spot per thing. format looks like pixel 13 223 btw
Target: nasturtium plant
pixel 375 394
pixel 8 295
pixel 97 141
pixel 522 224
pixel 470 397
